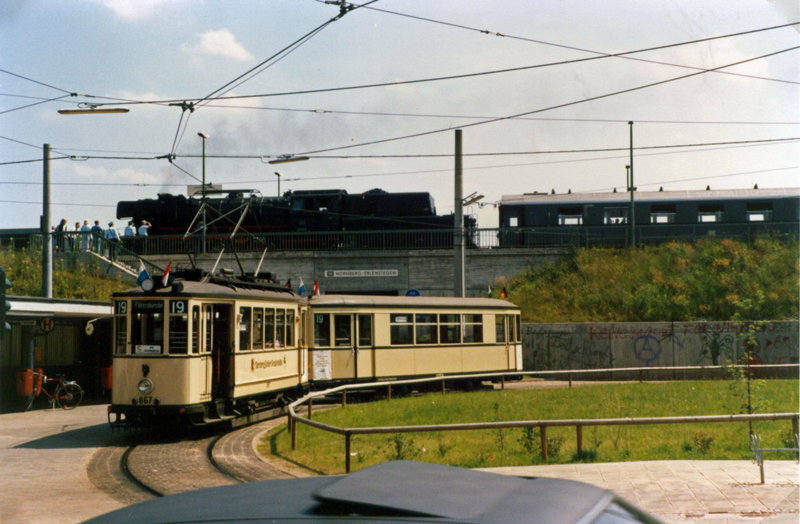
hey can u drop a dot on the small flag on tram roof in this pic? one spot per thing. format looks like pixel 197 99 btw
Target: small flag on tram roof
pixel 503 294
pixel 302 290
pixel 143 274
pixel 490 292
pixel 316 288
pixel 289 283
pixel 165 278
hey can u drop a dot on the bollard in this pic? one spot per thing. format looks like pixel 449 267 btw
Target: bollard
pixel 347 452
pixel 543 432
pixel 310 406
pixel 579 429
pixel 389 392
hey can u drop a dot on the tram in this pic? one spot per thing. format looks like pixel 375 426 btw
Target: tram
pixel 213 349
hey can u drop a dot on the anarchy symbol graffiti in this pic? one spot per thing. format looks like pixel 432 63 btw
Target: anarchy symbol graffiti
pixel 647 348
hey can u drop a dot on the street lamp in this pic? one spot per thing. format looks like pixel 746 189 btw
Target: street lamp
pixel 203 197
pixel 279 182
pixel 285 159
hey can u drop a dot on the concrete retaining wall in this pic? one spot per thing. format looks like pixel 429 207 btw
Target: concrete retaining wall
pixel 621 345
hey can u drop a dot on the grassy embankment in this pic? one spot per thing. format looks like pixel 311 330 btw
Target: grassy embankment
pixel 709 280
pixel 324 452
pixel 24 270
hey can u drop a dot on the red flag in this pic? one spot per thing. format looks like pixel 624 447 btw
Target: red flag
pixel 289 283
pixel 316 288
pixel 165 278
pixel 503 294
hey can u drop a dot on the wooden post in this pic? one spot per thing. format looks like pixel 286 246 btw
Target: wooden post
pixel 640 376
pixel 570 381
pixel 347 452
pixel 503 382
pixel 543 433
pixel 442 386
pixel 389 392
pixel 294 436
pixel 310 406
pixel 794 426
pixel 579 428
pixel 344 398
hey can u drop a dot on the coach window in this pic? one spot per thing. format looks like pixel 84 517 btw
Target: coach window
pixel 662 214
pixel 759 212
pixel 710 213
pixel 322 330
pixel 401 329
pixel 473 328
pixel 519 327
pixel 426 329
pixel 570 216
pixel 364 330
pixel 500 328
pixel 147 326
pixel 269 328
pixel 615 215
pixel 245 328
pixel 258 328
pixel 513 222
pixel 289 328
pixel 343 330
pixel 121 327
pixel 209 319
pixel 449 329
pixel 196 323
pixel 280 328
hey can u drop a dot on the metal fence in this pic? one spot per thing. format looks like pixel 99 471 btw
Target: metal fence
pixel 294 418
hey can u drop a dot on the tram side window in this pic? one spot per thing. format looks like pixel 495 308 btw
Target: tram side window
pixel 121 328
pixel 426 329
pixel 450 329
pixel 519 327
pixel 364 330
pixel 401 329
pixel 195 329
pixel 473 328
pixel 322 330
pixel 289 328
pixel 343 330
pixel 245 328
pixel 258 328
pixel 147 329
pixel 178 334
pixel 269 328
pixel 280 327
pixel 500 328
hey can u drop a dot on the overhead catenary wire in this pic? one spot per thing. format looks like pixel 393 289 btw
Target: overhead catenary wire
pixel 38 82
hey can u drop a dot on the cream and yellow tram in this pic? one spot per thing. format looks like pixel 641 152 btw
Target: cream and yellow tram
pixel 375 338
pixel 206 351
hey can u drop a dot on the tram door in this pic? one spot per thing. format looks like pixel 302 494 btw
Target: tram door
pixel 354 332
pixel 221 348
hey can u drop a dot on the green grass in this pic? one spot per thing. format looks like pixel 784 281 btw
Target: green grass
pixel 323 452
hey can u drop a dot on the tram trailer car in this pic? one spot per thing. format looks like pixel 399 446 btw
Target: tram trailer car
pixel 660 215
pixel 209 349
pixel 295 211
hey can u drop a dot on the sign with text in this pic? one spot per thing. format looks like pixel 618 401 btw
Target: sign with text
pixel 360 273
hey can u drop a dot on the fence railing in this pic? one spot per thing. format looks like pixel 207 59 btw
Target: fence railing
pixel 488 238
pixel 579 424
pixel 116 252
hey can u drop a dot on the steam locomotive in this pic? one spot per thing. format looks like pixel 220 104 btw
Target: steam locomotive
pixel 296 211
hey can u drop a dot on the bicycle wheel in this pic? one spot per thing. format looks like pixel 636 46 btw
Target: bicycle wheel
pixel 29 401
pixel 69 396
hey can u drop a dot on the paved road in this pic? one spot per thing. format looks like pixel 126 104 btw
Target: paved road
pixel 59 466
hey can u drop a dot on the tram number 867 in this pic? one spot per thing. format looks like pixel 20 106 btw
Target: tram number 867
pixel 144 400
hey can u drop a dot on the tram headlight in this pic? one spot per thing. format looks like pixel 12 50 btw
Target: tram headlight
pixel 145 386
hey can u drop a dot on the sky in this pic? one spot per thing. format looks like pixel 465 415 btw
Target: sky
pixel 573 114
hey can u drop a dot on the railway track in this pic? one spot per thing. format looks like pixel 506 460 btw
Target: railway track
pixel 135 468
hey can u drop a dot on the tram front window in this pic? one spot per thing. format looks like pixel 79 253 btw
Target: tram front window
pixel 147 329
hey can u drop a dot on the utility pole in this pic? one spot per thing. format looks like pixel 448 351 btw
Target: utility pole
pixel 47 233
pixel 458 235
pixel 203 201
pixel 632 189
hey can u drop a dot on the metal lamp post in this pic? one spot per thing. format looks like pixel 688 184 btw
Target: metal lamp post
pixel 279 182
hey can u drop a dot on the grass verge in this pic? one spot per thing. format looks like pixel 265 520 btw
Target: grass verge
pixel 323 452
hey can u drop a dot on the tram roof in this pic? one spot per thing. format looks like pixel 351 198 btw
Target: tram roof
pixel 212 290
pixel 409 302
pixel 641 196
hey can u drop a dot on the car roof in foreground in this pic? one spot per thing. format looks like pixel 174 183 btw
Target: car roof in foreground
pixel 398 491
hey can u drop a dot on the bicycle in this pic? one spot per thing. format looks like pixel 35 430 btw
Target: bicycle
pixel 67 394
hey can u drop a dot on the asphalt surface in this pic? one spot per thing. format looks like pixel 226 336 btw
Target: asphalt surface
pixel 63 466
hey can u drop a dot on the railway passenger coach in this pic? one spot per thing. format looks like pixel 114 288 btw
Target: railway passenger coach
pixel 659 215
pixel 209 349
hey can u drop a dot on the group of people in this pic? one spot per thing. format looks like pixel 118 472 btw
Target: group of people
pixel 86 238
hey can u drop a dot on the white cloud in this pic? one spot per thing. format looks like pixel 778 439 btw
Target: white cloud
pixel 135 10
pixel 221 42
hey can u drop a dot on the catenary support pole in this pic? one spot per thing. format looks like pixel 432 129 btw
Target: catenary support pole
pixel 47 233
pixel 632 190
pixel 458 233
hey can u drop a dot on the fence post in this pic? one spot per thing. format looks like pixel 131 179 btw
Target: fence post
pixel 570 381
pixel 310 406
pixel 294 435
pixel 347 452
pixel 794 426
pixel 543 433
pixel 579 429
pixel 442 386
pixel 503 382
pixel 344 398
pixel 389 392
